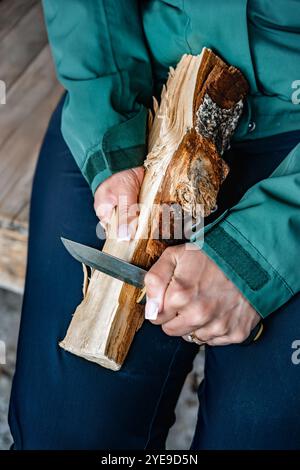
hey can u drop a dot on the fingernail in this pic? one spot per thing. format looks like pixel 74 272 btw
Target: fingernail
pixel 123 233
pixel 151 309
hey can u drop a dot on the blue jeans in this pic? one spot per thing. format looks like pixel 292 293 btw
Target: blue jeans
pixel 250 396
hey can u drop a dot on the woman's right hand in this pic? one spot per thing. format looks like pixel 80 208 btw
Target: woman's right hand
pixel 121 191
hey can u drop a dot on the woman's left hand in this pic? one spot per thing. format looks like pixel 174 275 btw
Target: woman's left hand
pixel 189 294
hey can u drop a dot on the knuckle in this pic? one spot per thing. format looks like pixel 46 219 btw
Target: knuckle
pixel 220 329
pixel 169 251
pixel 195 320
pixel 104 190
pixel 202 314
pixel 178 295
pixel 152 278
pixel 104 200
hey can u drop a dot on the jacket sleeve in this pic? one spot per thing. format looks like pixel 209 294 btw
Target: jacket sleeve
pixel 257 242
pixel 102 61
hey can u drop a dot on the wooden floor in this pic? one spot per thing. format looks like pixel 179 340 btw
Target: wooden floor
pixel 31 94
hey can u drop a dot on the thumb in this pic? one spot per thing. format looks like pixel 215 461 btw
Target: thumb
pixel 157 280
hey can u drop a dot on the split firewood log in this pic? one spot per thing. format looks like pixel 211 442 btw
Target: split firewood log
pixel 188 133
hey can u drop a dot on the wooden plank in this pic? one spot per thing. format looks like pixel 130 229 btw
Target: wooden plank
pixel 11 11
pixel 22 108
pixel 13 248
pixel 32 94
pixel 20 153
pixel 14 231
pixel 21 45
pixel 22 216
pixel 26 93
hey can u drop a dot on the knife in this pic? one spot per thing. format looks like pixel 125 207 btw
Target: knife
pixel 125 272
pixel 108 264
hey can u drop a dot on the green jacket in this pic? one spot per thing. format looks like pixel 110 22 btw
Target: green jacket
pixel 112 55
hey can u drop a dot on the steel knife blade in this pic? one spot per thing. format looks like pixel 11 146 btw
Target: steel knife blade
pixel 107 264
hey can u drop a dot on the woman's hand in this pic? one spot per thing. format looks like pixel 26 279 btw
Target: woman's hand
pixel 190 294
pixel 120 190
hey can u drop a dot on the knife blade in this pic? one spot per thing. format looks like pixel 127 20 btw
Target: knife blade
pixel 107 264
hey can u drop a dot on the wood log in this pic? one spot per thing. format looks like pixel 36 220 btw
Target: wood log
pixel 190 130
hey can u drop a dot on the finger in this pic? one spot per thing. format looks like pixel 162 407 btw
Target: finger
pixel 176 299
pixel 127 215
pixel 104 207
pixel 156 282
pixel 187 320
pixel 212 330
pixel 192 339
pixel 235 336
pixel 220 341
pixel 178 326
